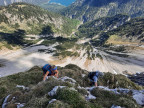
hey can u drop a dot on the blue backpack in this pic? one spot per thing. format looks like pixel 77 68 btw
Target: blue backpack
pixel 47 67
pixel 91 74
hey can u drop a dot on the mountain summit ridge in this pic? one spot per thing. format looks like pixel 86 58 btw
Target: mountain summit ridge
pixel 87 10
pixel 32 19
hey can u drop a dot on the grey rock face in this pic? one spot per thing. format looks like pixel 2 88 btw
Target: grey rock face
pixel 87 10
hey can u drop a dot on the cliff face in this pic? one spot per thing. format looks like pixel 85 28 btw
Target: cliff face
pixel 86 10
pixel 118 28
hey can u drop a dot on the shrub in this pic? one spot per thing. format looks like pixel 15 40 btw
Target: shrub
pixel 74 72
pixel 115 81
pixel 71 97
pixel 59 104
pixel 107 99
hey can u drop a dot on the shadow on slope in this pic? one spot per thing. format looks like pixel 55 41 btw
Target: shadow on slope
pixel 47 30
pixel 16 38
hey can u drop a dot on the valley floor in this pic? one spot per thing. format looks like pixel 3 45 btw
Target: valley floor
pixel 23 59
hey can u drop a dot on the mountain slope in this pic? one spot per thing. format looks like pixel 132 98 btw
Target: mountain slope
pixel 53 7
pixel 70 90
pixel 34 20
pixel 119 28
pixel 98 26
pixel 86 10
pixel 131 31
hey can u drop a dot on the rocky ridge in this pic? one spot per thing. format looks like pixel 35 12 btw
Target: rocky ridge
pixel 34 20
pixel 69 90
pixel 88 10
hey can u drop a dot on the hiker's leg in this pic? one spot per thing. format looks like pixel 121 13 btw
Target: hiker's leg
pixel 95 83
pixel 45 75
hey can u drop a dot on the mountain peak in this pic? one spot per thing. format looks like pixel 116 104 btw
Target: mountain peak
pixel 87 10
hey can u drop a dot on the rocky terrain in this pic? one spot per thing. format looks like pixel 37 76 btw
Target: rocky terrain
pixel 88 10
pixel 70 90
pixel 97 45
pixel 138 78
pixel 118 29
pixel 108 41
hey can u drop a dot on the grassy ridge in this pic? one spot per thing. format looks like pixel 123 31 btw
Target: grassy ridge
pixel 52 7
pixel 113 30
pixel 131 31
pixel 33 20
pixel 95 27
pixel 36 96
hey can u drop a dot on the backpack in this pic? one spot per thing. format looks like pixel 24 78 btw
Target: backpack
pixel 47 67
pixel 91 74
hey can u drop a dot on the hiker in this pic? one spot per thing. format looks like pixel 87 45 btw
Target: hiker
pixel 93 76
pixel 49 70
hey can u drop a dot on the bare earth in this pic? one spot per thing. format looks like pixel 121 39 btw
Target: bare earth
pixel 23 59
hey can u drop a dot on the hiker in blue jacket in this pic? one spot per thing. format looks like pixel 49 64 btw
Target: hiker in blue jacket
pixel 93 76
pixel 49 70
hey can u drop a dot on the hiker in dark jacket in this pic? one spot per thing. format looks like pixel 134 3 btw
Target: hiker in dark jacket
pixel 49 70
pixel 93 76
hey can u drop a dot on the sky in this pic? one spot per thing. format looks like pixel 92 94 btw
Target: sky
pixel 63 2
